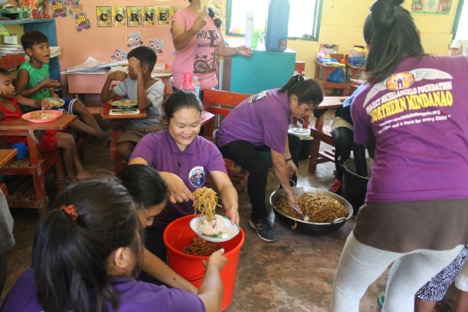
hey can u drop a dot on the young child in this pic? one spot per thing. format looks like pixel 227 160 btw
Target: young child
pixel 137 85
pixel 34 82
pixel 10 110
pixel 85 254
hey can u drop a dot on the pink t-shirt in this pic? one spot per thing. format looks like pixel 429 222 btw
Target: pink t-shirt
pixel 199 56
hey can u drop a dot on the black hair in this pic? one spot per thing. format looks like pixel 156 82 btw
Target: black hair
pixel 4 71
pixel 145 55
pixel 308 91
pixel 70 255
pixel 217 21
pixel 394 36
pixel 179 100
pixel 31 38
pixel 144 184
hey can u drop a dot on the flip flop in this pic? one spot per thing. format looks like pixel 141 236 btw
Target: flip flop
pixel 381 300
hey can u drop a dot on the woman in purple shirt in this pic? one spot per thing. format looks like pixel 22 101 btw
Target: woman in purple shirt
pixel 261 123
pixel 183 159
pixel 412 116
pixel 85 254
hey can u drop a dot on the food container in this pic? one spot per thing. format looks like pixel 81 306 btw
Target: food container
pixel 308 227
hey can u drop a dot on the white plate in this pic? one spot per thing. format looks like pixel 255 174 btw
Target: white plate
pixel 300 130
pixel 232 231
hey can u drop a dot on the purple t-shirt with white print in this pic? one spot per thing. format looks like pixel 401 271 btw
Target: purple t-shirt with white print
pixel 192 166
pixel 419 118
pixel 262 119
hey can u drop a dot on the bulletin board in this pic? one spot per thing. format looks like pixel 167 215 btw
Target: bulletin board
pixel 108 30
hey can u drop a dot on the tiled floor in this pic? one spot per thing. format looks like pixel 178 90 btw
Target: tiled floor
pixel 294 274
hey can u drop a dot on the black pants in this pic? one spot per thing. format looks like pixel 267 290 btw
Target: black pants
pixel 246 155
pixel 344 143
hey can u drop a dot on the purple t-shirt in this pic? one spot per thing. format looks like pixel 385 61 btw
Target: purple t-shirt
pixel 262 119
pixel 419 118
pixel 192 166
pixel 134 296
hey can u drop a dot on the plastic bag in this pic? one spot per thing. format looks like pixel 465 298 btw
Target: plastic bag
pixel 338 75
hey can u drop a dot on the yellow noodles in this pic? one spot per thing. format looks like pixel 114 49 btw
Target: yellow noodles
pixel 205 201
pixel 319 208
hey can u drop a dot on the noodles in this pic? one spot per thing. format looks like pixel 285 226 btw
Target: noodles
pixel 201 247
pixel 319 208
pixel 41 115
pixel 205 201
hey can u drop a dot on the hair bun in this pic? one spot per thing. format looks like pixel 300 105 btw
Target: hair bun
pixel 398 2
pixel 383 13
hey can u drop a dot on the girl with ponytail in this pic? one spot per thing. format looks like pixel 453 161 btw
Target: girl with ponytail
pixel 412 117
pixel 85 256
pixel 261 123
pixel 198 40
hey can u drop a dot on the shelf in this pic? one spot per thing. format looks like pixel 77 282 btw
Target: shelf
pixel 26 21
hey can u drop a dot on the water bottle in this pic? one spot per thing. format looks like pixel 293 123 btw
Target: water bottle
pixel 196 85
pixel 277 25
pixel 187 84
pixel 249 28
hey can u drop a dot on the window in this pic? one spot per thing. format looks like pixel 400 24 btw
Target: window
pixel 460 29
pixel 304 17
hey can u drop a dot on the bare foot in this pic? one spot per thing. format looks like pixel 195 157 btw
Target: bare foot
pixel 83 175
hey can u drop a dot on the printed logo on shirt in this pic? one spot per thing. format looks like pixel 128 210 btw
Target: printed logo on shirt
pixel 257 97
pixel 197 176
pixel 405 103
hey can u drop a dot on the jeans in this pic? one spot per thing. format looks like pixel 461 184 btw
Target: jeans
pixel 246 155
pixel 360 265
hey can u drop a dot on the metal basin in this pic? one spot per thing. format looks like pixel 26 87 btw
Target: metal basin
pixel 307 227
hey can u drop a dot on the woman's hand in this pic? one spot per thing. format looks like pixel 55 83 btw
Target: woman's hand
pixel 216 259
pixel 233 214
pixel 244 51
pixel 292 169
pixel 178 192
pixel 201 20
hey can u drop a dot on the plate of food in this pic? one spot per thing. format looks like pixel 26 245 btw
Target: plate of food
pixel 217 230
pixel 54 102
pixel 300 130
pixel 125 103
pixel 209 225
pixel 42 116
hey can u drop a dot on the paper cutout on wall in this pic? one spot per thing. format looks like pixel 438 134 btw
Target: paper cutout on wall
pixel 148 16
pixel 174 9
pixel 119 16
pixel 163 15
pixel 58 9
pixel 37 7
pixel 81 19
pixel 119 55
pixel 104 16
pixel 431 6
pixel 134 40
pixel 133 16
pixel 156 45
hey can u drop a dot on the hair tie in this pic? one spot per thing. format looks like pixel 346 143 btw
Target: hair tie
pixel 70 210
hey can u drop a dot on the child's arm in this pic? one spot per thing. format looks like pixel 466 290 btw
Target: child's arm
pixel 142 100
pixel 106 92
pixel 29 102
pixel 22 81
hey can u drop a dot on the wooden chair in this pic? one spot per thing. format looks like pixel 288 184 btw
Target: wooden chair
pixel 322 71
pixel 321 133
pixel 299 68
pixel 221 103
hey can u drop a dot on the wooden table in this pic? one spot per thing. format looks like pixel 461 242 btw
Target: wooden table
pixel 320 134
pixel 5 156
pixel 36 164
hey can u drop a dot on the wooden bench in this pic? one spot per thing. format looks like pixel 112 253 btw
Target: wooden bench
pixel 221 103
